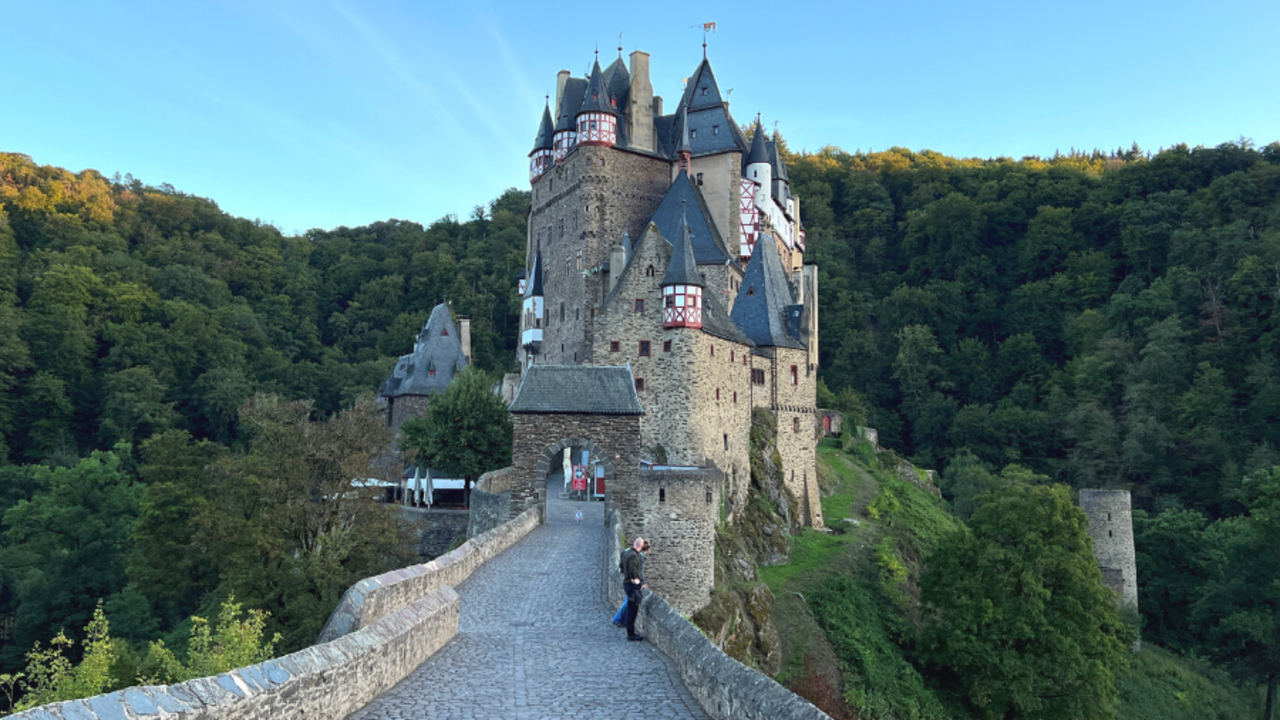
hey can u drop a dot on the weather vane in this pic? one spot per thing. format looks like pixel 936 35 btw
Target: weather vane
pixel 707 27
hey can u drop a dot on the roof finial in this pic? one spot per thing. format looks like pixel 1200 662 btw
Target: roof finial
pixel 619 46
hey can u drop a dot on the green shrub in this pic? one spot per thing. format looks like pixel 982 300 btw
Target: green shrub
pixel 50 675
pixel 232 643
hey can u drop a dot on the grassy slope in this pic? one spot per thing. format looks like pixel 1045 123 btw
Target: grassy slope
pixel 844 608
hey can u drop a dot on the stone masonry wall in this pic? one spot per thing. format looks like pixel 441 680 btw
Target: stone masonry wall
pixel 616 436
pixel 1111 529
pixel 372 599
pixel 323 681
pixel 720 188
pixel 436 529
pixel 720 375
pixel 678 511
pixel 407 406
pixel 725 688
pixel 798 430
pixel 581 208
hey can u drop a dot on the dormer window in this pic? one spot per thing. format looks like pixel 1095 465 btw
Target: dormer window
pixel 444 332
pixel 715 129
pixel 693 134
pixel 704 91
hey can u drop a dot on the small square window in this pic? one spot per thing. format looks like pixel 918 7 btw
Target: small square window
pixel 693 134
pixel 704 91
pixel 715 129
pixel 666 346
pixel 644 348
pixel 639 304
pixel 639 384
pixel 614 346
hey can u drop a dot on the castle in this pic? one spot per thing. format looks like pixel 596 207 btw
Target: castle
pixel 671 244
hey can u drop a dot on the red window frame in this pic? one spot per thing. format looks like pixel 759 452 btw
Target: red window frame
pixel 639 384
pixel 614 346
pixel 639 306
pixel 645 347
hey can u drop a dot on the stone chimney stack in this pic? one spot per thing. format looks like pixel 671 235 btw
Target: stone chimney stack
pixel 657 106
pixel 562 78
pixel 640 113
pixel 464 337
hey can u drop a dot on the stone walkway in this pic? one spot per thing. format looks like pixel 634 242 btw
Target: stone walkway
pixel 534 640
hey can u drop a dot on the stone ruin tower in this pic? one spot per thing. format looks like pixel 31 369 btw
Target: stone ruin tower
pixel 1111 528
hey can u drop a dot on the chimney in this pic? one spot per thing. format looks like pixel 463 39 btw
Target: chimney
pixel 562 77
pixel 657 106
pixel 639 118
pixel 464 337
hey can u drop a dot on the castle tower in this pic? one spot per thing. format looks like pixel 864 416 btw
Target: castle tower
pixel 565 136
pixel 1111 529
pixel 438 355
pixel 681 286
pixel 597 119
pixel 542 157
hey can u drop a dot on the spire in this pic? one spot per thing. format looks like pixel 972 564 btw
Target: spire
pixel 597 95
pixel 764 298
pixel 759 152
pixel 535 275
pixel 545 130
pixel 683 269
pixel 683 143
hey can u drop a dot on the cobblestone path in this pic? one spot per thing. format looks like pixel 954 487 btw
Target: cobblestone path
pixel 534 640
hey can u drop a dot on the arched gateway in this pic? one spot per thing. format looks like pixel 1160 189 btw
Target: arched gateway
pixel 591 409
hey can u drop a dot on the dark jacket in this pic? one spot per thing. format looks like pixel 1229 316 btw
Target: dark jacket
pixel 632 564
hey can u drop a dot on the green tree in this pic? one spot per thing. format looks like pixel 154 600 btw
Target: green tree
pixel 1240 605
pixel 1017 617
pixel 466 430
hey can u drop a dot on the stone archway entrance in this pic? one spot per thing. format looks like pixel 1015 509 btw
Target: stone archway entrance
pixel 583 453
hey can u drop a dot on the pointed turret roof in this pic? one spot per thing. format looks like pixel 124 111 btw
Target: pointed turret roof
pixel 596 98
pixel 618 80
pixel 759 152
pixel 437 356
pixel 682 270
pixel 534 287
pixel 764 298
pixel 683 143
pixel 545 132
pixel 708 246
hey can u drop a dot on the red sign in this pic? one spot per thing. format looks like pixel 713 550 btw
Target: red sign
pixel 579 477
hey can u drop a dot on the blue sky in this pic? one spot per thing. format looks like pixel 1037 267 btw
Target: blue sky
pixel 318 113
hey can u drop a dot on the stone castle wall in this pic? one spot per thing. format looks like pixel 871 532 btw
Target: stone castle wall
pixel 406 406
pixel 720 188
pixel 1111 529
pixel 581 208
pixel 677 512
pixel 793 405
pixel 721 423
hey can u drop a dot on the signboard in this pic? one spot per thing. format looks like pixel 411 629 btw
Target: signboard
pixel 579 477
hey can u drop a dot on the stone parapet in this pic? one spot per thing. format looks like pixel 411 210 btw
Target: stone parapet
pixel 724 687
pixel 323 681
pixel 372 599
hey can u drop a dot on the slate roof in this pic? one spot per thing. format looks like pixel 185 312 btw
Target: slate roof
pixel 566 114
pixel 716 321
pixel 682 270
pixel 534 288
pixel 596 97
pixel 578 389
pixel 759 152
pixel 618 79
pixel 708 246
pixel 764 298
pixel 437 348
pixel 545 132
pixel 702 78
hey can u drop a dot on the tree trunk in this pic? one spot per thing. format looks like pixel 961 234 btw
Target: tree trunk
pixel 1273 698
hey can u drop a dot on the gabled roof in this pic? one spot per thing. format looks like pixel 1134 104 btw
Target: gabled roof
pixel 682 270
pixel 574 89
pixel 708 246
pixel 545 132
pixel 596 98
pixel 437 349
pixel 577 389
pixel 763 298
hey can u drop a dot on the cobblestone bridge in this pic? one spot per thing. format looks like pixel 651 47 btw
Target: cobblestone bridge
pixel 534 640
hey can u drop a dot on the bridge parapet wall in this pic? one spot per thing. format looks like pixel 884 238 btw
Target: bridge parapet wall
pixel 372 599
pixel 383 628
pixel 725 688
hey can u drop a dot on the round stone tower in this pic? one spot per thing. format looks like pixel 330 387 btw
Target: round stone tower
pixel 1111 528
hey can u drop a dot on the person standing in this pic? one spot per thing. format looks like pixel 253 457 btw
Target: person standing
pixel 633 583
